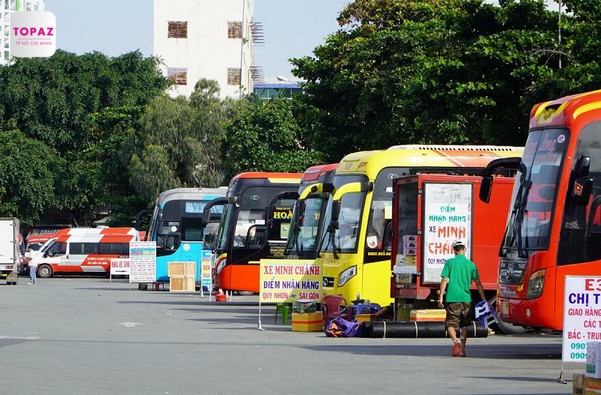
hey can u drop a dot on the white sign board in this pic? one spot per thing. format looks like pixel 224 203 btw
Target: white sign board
pixel 142 261
pixel 447 217
pixel 32 34
pixel 581 316
pixel 119 267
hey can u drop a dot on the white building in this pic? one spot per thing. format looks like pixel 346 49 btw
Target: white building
pixel 7 7
pixel 205 39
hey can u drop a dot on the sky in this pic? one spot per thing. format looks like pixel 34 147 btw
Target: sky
pixel 292 28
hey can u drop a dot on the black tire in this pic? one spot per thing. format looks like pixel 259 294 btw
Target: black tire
pixel 506 327
pixel 510 329
pixel 44 271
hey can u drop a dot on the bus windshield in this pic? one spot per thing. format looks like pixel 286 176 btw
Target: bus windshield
pixel 247 216
pixel 305 229
pixel 533 201
pixel 345 237
pixel 182 217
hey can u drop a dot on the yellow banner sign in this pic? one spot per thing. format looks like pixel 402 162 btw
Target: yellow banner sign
pixel 287 280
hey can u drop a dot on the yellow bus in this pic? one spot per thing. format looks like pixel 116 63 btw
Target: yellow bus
pixel 356 247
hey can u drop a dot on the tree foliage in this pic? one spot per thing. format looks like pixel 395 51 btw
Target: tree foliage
pixel 81 109
pixel 432 71
pixel 268 136
pixel 179 142
pixel 29 172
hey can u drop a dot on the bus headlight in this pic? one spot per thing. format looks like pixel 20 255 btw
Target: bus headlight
pixel 346 275
pixel 535 284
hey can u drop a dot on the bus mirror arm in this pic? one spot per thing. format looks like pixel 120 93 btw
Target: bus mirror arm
pixel 492 168
pixel 501 163
pixel 206 212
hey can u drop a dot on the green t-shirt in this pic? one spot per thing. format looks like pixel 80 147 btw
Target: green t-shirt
pixel 461 272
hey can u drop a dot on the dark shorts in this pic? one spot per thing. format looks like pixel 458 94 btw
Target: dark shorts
pixel 458 314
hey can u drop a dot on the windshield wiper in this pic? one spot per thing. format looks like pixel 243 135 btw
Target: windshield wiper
pixel 518 215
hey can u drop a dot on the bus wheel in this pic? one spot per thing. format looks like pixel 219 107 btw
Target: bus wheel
pixel 510 329
pixel 44 271
pixel 506 327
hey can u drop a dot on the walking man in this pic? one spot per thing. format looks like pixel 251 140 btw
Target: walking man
pixel 33 266
pixel 458 274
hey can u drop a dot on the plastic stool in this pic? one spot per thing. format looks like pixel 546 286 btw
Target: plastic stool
pixel 285 310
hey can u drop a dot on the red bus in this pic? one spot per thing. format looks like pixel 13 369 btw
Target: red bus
pixel 553 229
pixel 245 234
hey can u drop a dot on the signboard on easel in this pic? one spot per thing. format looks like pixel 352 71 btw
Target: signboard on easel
pixel 142 261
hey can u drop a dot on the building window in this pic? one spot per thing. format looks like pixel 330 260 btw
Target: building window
pixel 234 76
pixel 178 75
pixel 234 30
pixel 177 29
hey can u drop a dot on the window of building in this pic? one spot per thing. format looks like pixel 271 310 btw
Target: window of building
pixel 234 30
pixel 234 76
pixel 177 29
pixel 179 75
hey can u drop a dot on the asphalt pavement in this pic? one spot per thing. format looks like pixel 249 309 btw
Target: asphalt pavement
pixel 81 335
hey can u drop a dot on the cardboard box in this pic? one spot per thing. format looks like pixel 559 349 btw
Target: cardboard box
pixel 307 322
pixel 181 269
pixel 182 284
pixel 304 306
pixel 428 315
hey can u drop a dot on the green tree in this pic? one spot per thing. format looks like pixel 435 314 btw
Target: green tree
pixel 178 144
pixel 28 171
pixel 430 71
pixel 266 135
pixel 83 108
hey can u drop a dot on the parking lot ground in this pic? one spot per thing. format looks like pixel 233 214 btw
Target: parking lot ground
pixel 78 335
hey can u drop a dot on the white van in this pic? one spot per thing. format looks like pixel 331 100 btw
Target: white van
pixel 83 250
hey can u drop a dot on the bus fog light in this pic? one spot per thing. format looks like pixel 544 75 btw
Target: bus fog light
pixel 535 284
pixel 528 313
pixel 346 275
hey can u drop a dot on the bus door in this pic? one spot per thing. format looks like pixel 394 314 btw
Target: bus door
pixel 55 254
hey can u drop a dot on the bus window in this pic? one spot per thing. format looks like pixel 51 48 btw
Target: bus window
pixel 349 219
pixel 580 238
pixel 83 248
pixel 247 221
pixel 56 249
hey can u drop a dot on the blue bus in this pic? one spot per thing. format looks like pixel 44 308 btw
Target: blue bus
pixel 177 226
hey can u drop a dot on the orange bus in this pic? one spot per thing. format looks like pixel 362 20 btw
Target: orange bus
pixel 245 234
pixel 553 229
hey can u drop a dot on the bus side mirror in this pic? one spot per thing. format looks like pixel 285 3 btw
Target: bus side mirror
pixel 582 166
pixel 485 189
pixel 581 191
pixel 335 216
